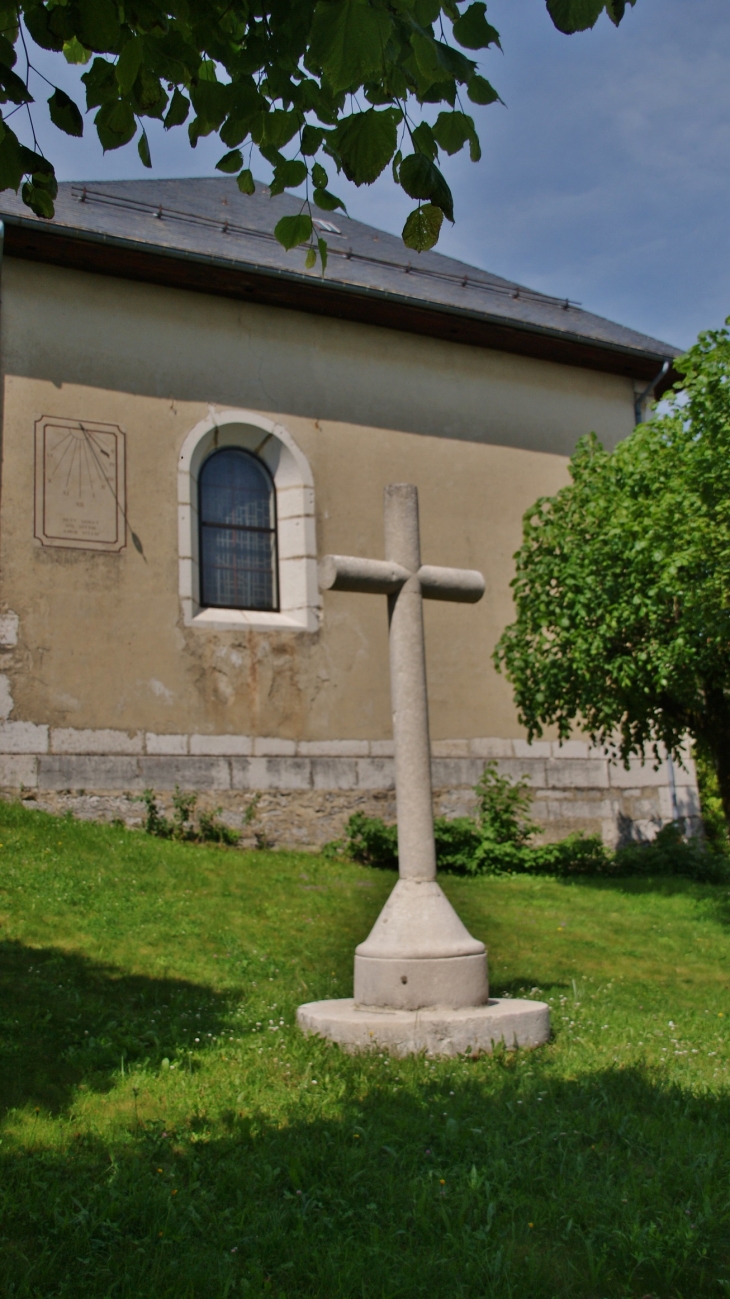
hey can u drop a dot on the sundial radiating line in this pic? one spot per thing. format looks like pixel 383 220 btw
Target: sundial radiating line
pixel 69 444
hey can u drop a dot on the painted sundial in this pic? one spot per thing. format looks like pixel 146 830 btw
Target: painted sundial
pixel 80 484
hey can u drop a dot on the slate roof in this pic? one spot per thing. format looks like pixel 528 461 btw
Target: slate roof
pixel 171 230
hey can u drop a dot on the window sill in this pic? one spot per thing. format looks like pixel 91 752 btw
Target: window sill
pixel 254 620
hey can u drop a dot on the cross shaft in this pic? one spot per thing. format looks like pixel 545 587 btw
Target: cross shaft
pixel 406 582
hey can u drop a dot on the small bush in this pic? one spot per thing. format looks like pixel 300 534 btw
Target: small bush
pixel 713 816
pixel 671 853
pixel 211 830
pixel 502 806
pixel 370 841
pixel 457 842
pixel 154 822
pixel 182 827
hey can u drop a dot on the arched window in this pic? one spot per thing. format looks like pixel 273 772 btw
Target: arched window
pixel 237 511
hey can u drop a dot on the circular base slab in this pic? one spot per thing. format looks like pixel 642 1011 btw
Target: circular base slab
pixel 438 1030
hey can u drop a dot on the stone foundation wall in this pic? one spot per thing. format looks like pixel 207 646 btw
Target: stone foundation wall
pixel 308 789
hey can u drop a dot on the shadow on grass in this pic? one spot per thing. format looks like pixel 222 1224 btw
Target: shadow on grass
pixel 67 1021
pixel 504 1185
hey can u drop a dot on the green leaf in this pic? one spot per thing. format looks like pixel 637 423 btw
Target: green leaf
pixel 366 142
pixel 423 139
pixel 348 41
pixel 480 91
pixel 98 25
pixel 101 84
pixel 64 113
pixel 312 137
pixel 245 182
pixel 75 52
pixel 426 12
pixel 148 96
pixel 293 230
pixel 7 52
pixel 456 64
pixel 48 28
pixel 233 132
pixel 322 246
pixel 271 155
pixel 230 162
pixel 12 88
pixel 326 201
pixel 473 31
pixel 129 64
pixel 211 102
pixel 616 9
pixel 397 160
pixel 428 63
pixel 288 174
pixel 575 15
pixel 143 149
pixel 38 200
pixel 40 169
pixel 452 130
pixel 178 110
pixel 421 178
pixel 319 176
pixel 278 128
pixel 115 125
pixel 11 161
pixel 311 258
pixel 422 229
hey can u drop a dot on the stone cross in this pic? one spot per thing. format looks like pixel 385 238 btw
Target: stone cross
pixel 419 952
pixel 420 978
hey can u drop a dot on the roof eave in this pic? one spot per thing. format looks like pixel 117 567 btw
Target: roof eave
pixel 107 254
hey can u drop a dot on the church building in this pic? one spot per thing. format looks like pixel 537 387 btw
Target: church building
pixel 190 419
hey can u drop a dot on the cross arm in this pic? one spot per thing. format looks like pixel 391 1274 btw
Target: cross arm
pixel 385 577
pixel 348 573
pixel 464 585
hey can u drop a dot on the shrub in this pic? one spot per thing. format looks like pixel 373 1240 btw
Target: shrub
pixel 370 841
pixel 496 842
pixel 671 853
pixel 713 816
pixel 502 806
pixel 182 826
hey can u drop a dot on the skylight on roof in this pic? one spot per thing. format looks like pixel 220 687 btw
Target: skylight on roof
pixel 329 226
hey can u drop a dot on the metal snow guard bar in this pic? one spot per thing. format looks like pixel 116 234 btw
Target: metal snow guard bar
pixel 83 194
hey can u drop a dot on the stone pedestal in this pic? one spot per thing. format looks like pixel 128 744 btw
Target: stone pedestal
pixel 419 953
pixel 435 1031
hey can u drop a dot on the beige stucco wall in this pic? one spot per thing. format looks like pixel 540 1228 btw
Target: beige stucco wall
pixel 101 637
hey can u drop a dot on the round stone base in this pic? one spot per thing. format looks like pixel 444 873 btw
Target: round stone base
pixel 469 1030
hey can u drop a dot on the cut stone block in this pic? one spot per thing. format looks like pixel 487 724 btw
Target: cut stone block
pixel 66 739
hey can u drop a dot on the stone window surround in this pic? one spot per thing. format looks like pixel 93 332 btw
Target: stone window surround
pixel 299 600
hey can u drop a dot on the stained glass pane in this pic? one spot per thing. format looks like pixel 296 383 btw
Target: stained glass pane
pixel 237 534
pixel 236 489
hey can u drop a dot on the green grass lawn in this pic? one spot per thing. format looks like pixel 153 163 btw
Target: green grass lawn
pixel 167 1131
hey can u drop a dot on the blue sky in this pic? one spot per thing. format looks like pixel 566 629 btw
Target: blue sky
pixel 605 177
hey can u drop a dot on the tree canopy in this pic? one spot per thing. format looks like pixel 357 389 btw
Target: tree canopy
pixel 622 590
pixel 316 85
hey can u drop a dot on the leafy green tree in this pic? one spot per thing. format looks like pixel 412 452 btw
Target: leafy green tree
pixel 316 85
pixel 622 590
